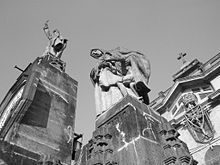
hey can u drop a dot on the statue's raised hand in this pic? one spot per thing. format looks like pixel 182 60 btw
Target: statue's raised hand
pixel 46 24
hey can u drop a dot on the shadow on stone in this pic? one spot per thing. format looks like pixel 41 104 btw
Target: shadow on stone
pixel 35 115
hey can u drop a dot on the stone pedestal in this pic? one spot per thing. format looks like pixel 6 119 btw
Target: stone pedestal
pixel 38 126
pixel 129 133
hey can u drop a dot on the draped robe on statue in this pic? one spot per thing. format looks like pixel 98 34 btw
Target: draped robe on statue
pixel 114 75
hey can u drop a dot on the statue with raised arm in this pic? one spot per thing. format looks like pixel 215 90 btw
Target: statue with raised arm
pixel 56 44
pixel 119 72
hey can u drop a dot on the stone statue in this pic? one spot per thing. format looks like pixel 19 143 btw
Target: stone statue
pixel 56 44
pixel 119 72
pixel 197 119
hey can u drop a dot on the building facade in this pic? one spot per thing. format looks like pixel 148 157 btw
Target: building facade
pixel 192 106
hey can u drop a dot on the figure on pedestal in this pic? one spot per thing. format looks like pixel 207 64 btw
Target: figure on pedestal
pixel 119 72
pixel 56 44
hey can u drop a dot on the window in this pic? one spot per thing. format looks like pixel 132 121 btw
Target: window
pixel 207 88
pixel 174 109
pixel 203 95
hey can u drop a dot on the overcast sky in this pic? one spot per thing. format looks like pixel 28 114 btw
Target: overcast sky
pixel 161 29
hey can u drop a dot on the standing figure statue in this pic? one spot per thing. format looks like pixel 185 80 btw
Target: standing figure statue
pixel 56 44
pixel 119 72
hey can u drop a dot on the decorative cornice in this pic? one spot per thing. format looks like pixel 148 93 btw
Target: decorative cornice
pixel 215 95
pixel 192 66
pixel 206 75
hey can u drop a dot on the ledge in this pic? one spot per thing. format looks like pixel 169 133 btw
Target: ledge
pixel 120 106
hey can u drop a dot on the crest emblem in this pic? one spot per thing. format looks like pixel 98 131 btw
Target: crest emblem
pixel 197 119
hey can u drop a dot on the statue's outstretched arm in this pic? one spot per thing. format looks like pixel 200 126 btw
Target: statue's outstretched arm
pixel 47 31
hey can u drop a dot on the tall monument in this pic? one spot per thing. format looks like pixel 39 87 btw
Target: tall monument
pixel 37 115
pixel 127 130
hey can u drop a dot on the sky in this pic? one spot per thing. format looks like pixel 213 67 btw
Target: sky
pixel 160 29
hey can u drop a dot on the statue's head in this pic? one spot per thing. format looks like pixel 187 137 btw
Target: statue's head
pixel 96 53
pixel 190 100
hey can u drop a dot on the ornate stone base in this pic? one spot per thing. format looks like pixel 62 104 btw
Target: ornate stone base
pixel 129 133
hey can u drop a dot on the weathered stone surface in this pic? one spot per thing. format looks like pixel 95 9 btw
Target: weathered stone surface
pixel 44 123
pixel 119 72
pixel 130 133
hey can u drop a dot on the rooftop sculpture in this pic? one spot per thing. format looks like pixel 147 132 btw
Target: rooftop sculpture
pixel 56 44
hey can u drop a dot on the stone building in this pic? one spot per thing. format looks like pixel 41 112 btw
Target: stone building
pixel 192 106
